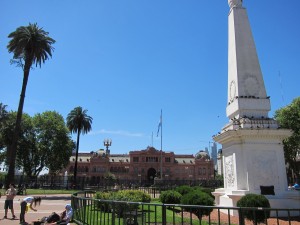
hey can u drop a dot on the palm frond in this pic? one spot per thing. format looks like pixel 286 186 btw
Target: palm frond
pixel 31 43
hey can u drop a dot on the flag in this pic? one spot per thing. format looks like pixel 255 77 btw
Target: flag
pixel 159 124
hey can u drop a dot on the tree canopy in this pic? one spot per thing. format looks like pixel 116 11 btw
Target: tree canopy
pixel 3 119
pixel 44 142
pixel 53 139
pixel 289 118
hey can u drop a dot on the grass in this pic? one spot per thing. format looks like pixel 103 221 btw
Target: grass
pixel 44 191
pixel 148 213
pixel 48 191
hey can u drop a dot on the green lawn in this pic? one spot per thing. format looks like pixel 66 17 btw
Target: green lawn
pixel 44 192
pixel 148 214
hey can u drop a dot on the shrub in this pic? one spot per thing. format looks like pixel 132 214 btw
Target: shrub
pixel 254 200
pixel 183 189
pixel 206 190
pixel 104 206
pixel 197 197
pixel 170 197
pixel 129 196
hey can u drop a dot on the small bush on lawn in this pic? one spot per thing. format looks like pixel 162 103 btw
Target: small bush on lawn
pixel 170 197
pixel 104 206
pixel 200 198
pixel 129 196
pixel 254 200
pixel 183 189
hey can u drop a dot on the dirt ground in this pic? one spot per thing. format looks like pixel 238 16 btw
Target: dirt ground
pixel 224 218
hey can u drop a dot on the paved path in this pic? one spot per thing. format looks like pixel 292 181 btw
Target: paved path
pixel 49 204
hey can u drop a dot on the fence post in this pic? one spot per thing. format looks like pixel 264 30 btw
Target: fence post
pixel 84 211
pixel 241 217
pixel 164 214
pixel 113 216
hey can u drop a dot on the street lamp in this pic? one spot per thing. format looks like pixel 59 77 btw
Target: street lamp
pixel 107 142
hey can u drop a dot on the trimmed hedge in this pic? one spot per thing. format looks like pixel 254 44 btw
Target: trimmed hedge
pixel 206 190
pixel 123 195
pixel 197 197
pixel 170 197
pixel 184 189
pixel 255 200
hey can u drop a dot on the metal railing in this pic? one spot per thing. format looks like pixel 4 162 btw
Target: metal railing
pixel 91 211
pixel 66 182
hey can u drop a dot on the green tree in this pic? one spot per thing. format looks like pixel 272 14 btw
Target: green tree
pixel 28 156
pixel 44 142
pixel 78 122
pixel 53 141
pixel 3 112
pixel 3 118
pixel 26 134
pixel 289 118
pixel 30 45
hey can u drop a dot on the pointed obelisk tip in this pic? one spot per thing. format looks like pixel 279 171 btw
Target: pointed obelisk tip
pixel 235 3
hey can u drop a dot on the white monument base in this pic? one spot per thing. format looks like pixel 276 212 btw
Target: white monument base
pixel 286 200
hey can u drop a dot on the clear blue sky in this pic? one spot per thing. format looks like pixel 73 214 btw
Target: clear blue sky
pixel 125 60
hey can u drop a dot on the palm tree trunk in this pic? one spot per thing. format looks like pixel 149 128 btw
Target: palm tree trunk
pixel 76 158
pixel 12 149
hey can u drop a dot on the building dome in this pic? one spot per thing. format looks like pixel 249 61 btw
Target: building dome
pixel 202 154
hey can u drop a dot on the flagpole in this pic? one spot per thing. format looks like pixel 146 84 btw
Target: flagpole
pixel 161 145
pixel 152 140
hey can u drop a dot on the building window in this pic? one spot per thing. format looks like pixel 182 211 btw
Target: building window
pixel 151 159
pixel 101 169
pixel 135 159
pixel 167 159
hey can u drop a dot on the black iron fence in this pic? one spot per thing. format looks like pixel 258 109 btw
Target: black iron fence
pixel 90 211
pixel 66 182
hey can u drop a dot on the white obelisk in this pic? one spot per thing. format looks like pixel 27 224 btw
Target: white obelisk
pixel 252 147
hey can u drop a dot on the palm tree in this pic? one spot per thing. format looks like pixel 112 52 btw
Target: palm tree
pixel 30 45
pixel 78 122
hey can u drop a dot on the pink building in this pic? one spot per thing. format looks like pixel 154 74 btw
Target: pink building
pixel 142 166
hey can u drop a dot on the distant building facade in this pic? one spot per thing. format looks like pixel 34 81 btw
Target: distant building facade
pixel 142 166
pixel 214 153
pixel 4 169
pixel 220 162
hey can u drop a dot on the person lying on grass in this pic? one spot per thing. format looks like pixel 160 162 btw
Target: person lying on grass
pixel 65 216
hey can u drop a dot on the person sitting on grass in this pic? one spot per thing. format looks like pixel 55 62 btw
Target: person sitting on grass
pixel 28 200
pixel 65 216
